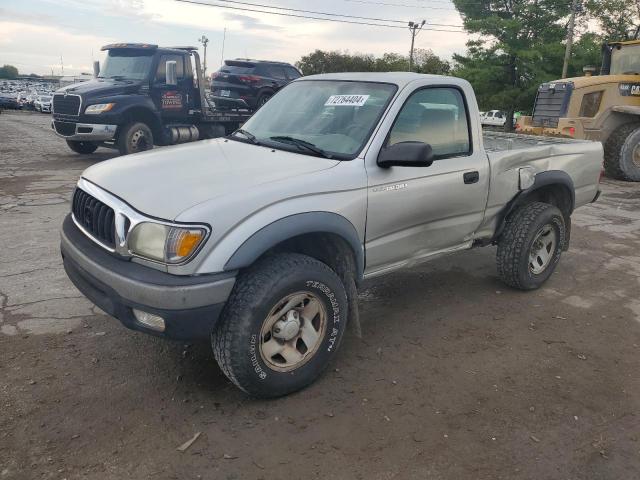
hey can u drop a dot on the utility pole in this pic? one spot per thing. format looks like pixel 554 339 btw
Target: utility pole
pixel 61 65
pixel 224 37
pixel 571 28
pixel 204 40
pixel 414 28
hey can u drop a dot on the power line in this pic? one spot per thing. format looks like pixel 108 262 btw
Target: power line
pixel 371 2
pixel 358 17
pixel 195 2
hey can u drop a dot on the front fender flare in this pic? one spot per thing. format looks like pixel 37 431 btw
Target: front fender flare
pixel 293 226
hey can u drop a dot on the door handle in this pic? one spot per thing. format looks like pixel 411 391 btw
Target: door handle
pixel 471 177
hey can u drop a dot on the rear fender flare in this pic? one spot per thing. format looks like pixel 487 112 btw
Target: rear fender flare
pixel 542 179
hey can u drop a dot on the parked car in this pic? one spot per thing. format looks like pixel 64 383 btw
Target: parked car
pixel 258 241
pixel 496 118
pixel 9 101
pixel 251 82
pixel 42 103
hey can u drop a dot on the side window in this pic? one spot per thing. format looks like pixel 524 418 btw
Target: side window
pixel 292 73
pixel 276 71
pixel 499 115
pixel 436 116
pixel 161 73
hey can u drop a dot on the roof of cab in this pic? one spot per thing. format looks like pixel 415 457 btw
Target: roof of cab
pixel 398 78
pixel 146 46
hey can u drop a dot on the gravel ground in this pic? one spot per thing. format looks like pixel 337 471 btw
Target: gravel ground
pixel 456 376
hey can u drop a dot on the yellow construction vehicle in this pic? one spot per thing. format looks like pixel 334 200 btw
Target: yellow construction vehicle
pixel 604 108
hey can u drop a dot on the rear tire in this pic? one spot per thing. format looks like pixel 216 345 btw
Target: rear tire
pixel 84 148
pixel 281 326
pixel 622 153
pixel 530 246
pixel 262 99
pixel 135 137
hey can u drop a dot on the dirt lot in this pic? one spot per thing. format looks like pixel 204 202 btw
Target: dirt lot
pixel 456 377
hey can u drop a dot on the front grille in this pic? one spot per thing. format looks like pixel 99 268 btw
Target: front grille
pixel 65 128
pixel 95 217
pixel 551 104
pixel 66 104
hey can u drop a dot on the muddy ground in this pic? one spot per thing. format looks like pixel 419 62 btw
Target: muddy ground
pixel 456 376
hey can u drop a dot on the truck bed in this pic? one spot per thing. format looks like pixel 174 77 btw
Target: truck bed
pixel 508 152
pixel 499 141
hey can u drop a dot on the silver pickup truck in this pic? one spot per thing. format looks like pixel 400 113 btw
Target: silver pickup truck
pixel 258 241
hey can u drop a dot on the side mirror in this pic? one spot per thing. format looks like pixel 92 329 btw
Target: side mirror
pixel 406 154
pixel 170 73
pixel 96 69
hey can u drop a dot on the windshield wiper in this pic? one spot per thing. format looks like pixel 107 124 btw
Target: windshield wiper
pixel 302 144
pixel 252 138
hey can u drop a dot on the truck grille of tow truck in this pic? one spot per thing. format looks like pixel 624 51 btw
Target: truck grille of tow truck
pixel 66 104
pixel 551 104
pixel 95 217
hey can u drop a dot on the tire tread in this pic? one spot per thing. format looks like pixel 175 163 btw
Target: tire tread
pixel 513 242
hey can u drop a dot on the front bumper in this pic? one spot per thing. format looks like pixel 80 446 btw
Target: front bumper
pixel 189 305
pixel 87 132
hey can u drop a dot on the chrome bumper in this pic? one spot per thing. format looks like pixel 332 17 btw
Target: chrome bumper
pixel 90 132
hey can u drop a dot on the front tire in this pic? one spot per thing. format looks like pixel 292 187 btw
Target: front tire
pixel 622 153
pixel 135 137
pixel 281 326
pixel 84 148
pixel 530 246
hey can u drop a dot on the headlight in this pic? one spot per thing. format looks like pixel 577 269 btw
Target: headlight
pixel 590 104
pixel 98 108
pixel 165 243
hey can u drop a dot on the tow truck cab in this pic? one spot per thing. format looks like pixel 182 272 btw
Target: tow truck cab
pixel 143 96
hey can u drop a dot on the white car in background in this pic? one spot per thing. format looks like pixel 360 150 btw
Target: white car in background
pixel 494 118
pixel 43 103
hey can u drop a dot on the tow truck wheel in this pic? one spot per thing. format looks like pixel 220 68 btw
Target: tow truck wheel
pixel 281 326
pixel 82 147
pixel 622 153
pixel 530 245
pixel 135 137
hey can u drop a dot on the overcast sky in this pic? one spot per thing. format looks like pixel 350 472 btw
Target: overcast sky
pixel 35 33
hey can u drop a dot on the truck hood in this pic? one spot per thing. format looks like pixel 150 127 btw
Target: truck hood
pixel 164 182
pixel 102 87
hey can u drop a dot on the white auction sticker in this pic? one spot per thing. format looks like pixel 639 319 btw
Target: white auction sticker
pixel 346 100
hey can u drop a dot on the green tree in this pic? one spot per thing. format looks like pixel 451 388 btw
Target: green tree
pixel 320 61
pixel 519 47
pixel 8 71
pixel 617 19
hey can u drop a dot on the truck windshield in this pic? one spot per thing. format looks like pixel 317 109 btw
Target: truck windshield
pixel 625 60
pixel 127 64
pixel 320 117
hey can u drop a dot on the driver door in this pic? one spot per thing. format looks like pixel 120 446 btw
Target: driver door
pixel 173 101
pixel 415 212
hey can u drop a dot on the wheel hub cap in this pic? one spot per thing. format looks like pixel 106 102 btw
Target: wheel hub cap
pixel 288 327
pixel 542 249
pixel 293 331
pixel 636 156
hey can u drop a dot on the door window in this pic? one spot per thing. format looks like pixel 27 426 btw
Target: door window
pixel 275 71
pixel 161 73
pixel 436 116
pixel 292 73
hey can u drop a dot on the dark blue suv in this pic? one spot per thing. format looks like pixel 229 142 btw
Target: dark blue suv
pixel 250 83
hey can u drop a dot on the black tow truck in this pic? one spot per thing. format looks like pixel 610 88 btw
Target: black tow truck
pixel 143 96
